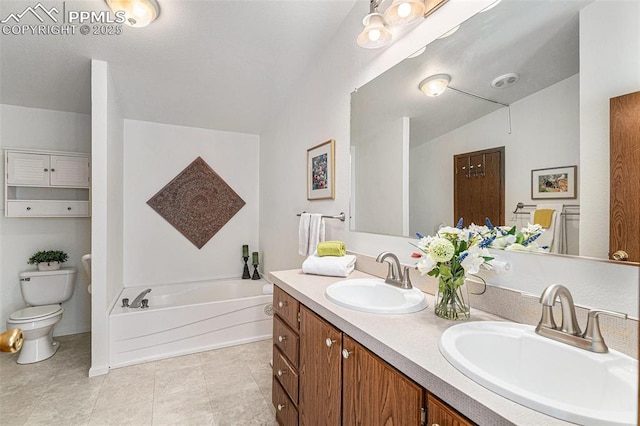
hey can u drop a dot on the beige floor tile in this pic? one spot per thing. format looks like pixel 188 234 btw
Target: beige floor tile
pixel 136 413
pixel 246 413
pixel 224 397
pixel 177 362
pixel 180 407
pixel 179 380
pixel 114 395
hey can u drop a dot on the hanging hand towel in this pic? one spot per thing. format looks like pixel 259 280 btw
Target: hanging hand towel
pixel 331 248
pixel 332 266
pixel 316 232
pixel 543 217
pixel 303 234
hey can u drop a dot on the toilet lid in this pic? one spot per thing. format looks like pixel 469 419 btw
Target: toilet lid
pixel 35 312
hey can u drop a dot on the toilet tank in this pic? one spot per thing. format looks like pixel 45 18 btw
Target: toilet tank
pixel 47 287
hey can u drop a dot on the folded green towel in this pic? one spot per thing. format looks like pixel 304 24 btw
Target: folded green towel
pixel 331 248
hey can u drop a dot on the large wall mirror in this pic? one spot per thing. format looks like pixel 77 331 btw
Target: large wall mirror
pixel 403 143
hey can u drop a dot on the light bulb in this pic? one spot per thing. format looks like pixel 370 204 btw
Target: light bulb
pixel 434 85
pixel 374 35
pixel 404 10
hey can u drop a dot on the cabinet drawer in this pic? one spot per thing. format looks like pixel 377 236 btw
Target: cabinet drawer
pixel 286 375
pixel 286 413
pixel 440 413
pixel 286 307
pixel 48 208
pixel 286 340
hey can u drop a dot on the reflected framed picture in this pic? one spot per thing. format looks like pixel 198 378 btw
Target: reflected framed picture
pixel 321 171
pixel 554 183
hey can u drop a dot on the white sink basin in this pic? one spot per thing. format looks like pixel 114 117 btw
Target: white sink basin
pixel 551 377
pixel 373 295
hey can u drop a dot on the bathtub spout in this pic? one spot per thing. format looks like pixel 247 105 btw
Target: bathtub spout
pixel 137 302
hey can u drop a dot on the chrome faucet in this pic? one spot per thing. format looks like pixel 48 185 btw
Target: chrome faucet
pixel 569 331
pixel 394 275
pixel 137 302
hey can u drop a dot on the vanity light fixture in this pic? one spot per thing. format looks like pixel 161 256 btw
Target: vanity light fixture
pixel 375 33
pixel 138 13
pixel 395 14
pixel 404 12
pixel 435 85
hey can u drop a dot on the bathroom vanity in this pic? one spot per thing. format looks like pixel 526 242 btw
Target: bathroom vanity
pixel 350 367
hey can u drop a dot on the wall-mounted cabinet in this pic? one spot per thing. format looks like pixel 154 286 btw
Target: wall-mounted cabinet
pixel 47 184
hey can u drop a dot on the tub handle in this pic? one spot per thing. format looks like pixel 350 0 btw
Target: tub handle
pixel 125 302
pixel 145 303
pixel 282 338
pixel 282 304
pixel 280 373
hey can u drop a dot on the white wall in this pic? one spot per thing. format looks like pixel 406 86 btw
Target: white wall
pixel 545 133
pixel 604 73
pixel 379 173
pixel 31 128
pixel 320 110
pixel 154 251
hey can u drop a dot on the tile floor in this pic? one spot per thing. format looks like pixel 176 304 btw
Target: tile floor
pixel 230 386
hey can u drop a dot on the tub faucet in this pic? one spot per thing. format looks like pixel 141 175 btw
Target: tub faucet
pixel 137 302
pixel 569 331
pixel 395 276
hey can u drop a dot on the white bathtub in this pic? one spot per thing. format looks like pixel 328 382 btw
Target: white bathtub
pixel 188 318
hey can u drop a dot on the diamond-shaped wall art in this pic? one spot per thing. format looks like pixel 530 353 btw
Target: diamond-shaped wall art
pixel 197 202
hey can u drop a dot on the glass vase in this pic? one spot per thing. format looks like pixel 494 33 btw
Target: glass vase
pixel 452 298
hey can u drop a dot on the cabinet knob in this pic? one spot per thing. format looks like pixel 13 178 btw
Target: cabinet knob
pixel 280 407
pixel 46 170
pixel 282 304
pixel 282 338
pixel 620 255
pixel 280 373
pixel 53 170
pixel 69 208
pixel 329 341
pixel 28 208
pixel 346 353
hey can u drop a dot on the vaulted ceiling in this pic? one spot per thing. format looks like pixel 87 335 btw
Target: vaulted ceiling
pixel 225 65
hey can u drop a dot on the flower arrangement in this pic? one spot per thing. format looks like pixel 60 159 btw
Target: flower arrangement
pixel 454 253
pixel 450 255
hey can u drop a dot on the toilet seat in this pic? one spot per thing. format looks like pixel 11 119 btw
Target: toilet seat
pixel 35 313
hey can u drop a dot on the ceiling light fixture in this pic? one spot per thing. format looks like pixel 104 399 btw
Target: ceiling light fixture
pixel 138 13
pixel 396 13
pixel 435 85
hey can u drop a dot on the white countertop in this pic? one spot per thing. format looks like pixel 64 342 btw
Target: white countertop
pixel 409 342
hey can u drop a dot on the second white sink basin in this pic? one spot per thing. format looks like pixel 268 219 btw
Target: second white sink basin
pixel 551 377
pixel 373 295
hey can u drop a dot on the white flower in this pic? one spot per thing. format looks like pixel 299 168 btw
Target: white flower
pixel 441 250
pixel 504 241
pixel 474 259
pixel 426 264
pixel 532 229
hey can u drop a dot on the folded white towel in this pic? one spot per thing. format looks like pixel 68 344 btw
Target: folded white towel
pixel 332 266
pixel 303 234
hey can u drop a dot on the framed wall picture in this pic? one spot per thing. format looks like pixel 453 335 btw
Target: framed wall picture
pixel 321 171
pixel 554 183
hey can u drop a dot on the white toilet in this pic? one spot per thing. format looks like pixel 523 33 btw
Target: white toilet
pixel 43 292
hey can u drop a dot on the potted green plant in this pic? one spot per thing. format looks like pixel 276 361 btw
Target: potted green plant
pixel 48 260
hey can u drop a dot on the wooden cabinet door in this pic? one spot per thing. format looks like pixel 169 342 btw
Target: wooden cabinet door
pixel 319 371
pixel 374 393
pixel 442 415
pixel 27 169
pixel 624 222
pixel 69 171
